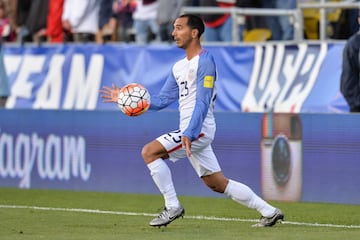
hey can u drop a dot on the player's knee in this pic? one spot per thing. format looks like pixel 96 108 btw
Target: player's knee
pixel 152 151
pixel 216 188
pixel 216 182
pixel 146 153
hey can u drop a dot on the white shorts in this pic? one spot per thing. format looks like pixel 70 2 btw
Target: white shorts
pixel 202 156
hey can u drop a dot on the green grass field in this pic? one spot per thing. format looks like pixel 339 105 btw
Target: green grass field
pixel 55 214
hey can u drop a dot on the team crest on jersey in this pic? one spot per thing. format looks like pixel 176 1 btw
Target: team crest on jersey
pixel 208 81
pixel 191 75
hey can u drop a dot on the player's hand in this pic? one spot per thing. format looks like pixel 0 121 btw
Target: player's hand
pixel 186 143
pixel 110 94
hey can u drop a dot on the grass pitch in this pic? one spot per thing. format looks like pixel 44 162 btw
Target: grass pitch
pixel 56 214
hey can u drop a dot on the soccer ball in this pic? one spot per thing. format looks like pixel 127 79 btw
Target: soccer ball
pixel 134 99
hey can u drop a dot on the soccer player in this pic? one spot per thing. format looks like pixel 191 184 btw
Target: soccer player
pixel 192 82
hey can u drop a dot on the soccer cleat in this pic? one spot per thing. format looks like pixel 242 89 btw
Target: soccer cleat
pixel 167 216
pixel 270 221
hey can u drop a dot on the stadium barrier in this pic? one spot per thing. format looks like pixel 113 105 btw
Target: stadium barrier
pixel 325 9
pixel 322 11
pixel 239 13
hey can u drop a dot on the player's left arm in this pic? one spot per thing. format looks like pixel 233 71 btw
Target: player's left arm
pixel 206 76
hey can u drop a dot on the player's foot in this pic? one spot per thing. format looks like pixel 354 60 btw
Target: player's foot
pixel 167 216
pixel 270 221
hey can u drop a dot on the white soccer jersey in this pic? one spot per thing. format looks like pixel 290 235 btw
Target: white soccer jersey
pixel 192 83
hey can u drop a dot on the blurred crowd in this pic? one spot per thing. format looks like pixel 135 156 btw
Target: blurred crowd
pixel 141 21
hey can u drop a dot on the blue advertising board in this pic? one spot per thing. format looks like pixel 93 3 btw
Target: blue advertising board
pixel 284 78
pixel 299 157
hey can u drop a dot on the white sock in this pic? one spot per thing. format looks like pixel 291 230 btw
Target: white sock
pixel 162 177
pixel 245 196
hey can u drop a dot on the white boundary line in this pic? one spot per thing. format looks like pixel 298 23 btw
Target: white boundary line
pixel 82 210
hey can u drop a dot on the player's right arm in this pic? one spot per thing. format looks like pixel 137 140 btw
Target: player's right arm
pixel 110 94
pixel 168 94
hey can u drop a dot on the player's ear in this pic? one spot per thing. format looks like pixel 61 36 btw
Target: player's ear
pixel 194 33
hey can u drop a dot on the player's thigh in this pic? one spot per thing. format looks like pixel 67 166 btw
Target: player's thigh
pixel 204 161
pixel 153 150
pixel 173 145
pixel 171 142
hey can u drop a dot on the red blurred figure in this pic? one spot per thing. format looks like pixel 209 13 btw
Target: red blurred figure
pixel 54 29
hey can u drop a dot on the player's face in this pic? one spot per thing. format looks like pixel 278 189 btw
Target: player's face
pixel 182 33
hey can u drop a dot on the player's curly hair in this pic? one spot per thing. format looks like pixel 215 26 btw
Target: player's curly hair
pixel 195 22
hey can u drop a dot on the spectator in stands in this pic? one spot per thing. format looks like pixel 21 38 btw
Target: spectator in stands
pixel 191 3
pixel 350 81
pixel 36 20
pixel 346 25
pixel 250 22
pixel 21 9
pixel 11 5
pixel 80 20
pixel 7 34
pixel 168 11
pixel 106 28
pixel 54 30
pixel 29 19
pixel 281 27
pixel 218 26
pixel 146 26
pixel 123 14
